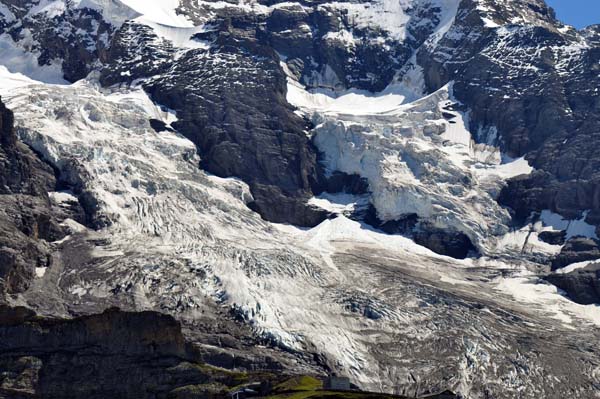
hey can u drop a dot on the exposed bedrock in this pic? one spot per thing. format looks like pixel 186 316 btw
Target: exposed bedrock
pixel 447 242
pixel 73 40
pixel 22 171
pixel 335 58
pixel 580 285
pixel 230 101
pixel 544 80
pixel 577 249
pixel 27 222
pixel 541 190
pixel 112 354
pixel 340 182
pixel 553 237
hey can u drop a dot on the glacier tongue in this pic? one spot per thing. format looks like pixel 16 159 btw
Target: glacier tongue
pixel 171 237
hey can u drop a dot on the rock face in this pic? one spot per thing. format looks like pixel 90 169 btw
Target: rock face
pixel 120 355
pixel 581 285
pixel 234 111
pixel 116 354
pixel 578 249
pixel 61 42
pixel 444 242
pixel 553 237
pixel 27 223
pixel 22 171
pixel 441 241
pixel 549 102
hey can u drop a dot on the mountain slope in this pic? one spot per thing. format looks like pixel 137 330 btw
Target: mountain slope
pixel 320 186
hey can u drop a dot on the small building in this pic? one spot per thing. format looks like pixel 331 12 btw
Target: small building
pixel 243 393
pixel 336 383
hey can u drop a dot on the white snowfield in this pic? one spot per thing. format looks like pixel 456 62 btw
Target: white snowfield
pixel 179 237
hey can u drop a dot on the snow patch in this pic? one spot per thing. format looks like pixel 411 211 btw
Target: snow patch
pixel 40 271
pixel 163 18
pixel 489 23
pixel 354 101
pixel 52 8
pixel 508 169
pixel 181 37
pixel 573 228
pixel 62 197
pixel 576 266
pixel 389 15
pixel 340 203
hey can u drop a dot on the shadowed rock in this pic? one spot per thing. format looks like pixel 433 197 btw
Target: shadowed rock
pixel 581 285
pixel 27 222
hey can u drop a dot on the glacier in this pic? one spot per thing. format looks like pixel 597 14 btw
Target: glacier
pixel 173 237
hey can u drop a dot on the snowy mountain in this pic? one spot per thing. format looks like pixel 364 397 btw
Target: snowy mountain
pixel 405 192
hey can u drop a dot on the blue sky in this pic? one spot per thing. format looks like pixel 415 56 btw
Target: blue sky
pixel 579 13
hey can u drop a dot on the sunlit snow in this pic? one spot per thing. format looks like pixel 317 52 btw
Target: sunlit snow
pixel 574 228
pixel 163 12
